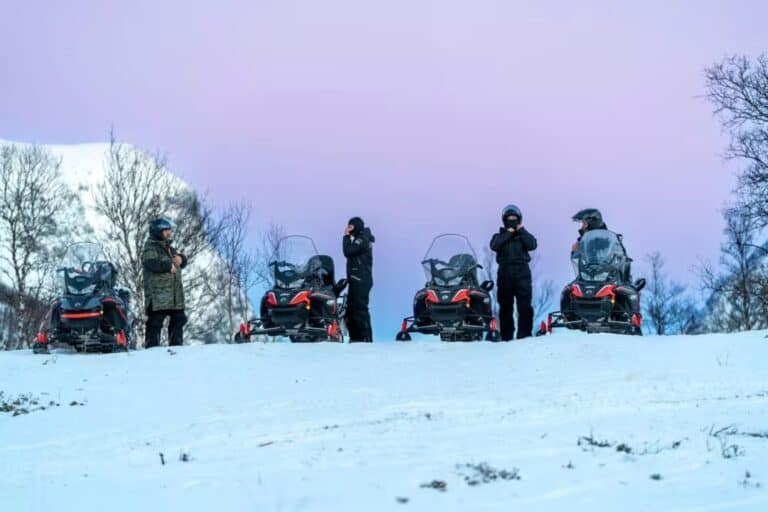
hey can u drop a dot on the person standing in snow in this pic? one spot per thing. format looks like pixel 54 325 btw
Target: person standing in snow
pixel 163 288
pixel 358 249
pixel 512 245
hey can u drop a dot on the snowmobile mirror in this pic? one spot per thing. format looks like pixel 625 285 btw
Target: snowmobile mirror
pixel 639 284
pixel 487 285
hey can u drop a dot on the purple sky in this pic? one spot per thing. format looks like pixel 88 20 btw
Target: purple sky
pixel 422 117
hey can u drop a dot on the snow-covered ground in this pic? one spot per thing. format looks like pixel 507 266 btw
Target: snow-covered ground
pixel 384 426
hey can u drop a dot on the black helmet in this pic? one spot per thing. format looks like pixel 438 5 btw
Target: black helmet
pixel 591 216
pixel 511 209
pixel 358 224
pixel 157 226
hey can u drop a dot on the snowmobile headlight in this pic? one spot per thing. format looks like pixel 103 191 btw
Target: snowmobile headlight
pixel 598 276
pixel 456 281
pixel 330 302
pixel 283 283
pixel 86 290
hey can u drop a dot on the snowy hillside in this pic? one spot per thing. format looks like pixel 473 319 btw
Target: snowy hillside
pixel 82 170
pixel 567 422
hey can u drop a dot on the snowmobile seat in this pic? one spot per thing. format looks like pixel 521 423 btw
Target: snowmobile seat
pixel 465 264
pixel 323 266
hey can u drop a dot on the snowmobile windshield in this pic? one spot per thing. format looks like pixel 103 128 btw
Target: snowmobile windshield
pixel 294 260
pixel 450 261
pixel 85 269
pixel 600 253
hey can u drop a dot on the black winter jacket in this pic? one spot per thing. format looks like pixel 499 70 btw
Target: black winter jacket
pixel 512 248
pixel 358 250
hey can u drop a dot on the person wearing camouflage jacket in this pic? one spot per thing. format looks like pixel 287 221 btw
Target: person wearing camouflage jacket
pixel 163 288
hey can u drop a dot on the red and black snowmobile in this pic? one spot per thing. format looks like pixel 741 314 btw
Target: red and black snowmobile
pixel 602 298
pixel 92 314
pixel 453 304
pixel 305 303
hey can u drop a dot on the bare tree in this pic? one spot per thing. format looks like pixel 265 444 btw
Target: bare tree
pixel 691 319
pixel 543 290
pixel 666 308
pixel 266 253
pixel 269 249
pixel 197 236
pixel 736 292
pixel 543 297
pixel 238 276
pixel 33 202
pixel 738 89
pixel 138 188
pixel 131 195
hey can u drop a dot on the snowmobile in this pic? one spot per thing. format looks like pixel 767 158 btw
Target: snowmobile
pixel 602 297
pixel 305 302
pixel 92 314
pixel 452 304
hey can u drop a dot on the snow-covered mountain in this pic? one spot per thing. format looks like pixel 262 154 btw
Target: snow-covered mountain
pixel 566 422
pixel 82 170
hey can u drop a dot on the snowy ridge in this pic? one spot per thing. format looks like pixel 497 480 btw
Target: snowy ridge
pixel 566 422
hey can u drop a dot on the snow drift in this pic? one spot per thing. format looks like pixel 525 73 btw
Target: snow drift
pixel 566 422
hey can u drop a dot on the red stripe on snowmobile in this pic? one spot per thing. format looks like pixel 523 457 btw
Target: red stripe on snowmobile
pixel 461 295
pixel 299 298
pixel 80 316
pixel 606 291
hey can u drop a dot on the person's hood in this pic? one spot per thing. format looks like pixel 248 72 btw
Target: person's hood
pixel 357 223
pixel 366 232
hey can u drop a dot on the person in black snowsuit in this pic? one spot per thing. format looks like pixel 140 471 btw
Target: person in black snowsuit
pixel 358 249
pixel 512 245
